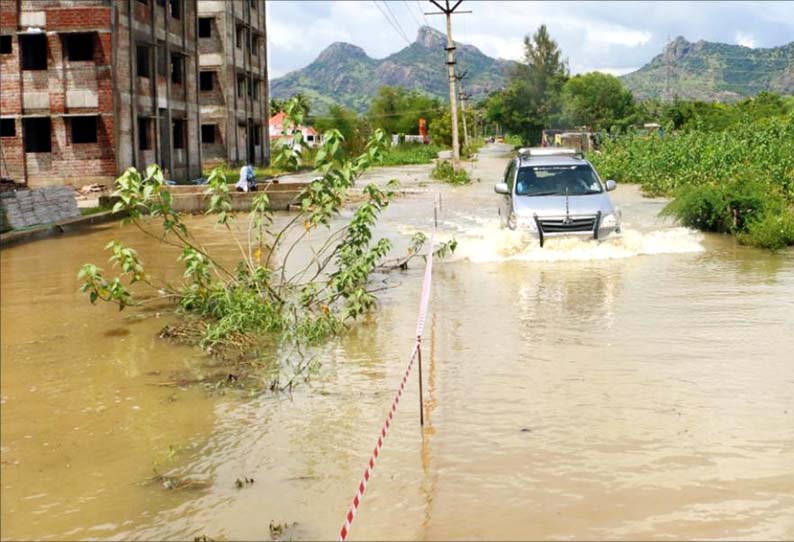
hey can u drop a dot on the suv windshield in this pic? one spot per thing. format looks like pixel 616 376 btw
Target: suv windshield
pixel 575 180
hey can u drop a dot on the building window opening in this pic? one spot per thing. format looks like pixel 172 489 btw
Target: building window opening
pixel 206 81
pixel 177 66
pixel 257 134
pixel 144 134
pixel 34 51
pixel 142 57
pixel 5 45
pixel 37 134
pixel 8 128
pixel 255 95
pixel 239 37
pixel 84 129
pixel 255 45
pixel 240 86
pixel 178 126
pixel 176 9
pixel 208 133
pixel 80 46
pixel 161 59
pixel 205 27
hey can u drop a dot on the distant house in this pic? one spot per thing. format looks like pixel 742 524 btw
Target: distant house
pixel 276 127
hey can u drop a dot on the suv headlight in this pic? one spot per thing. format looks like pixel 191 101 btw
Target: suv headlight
pixel 609 221
pixel 526 223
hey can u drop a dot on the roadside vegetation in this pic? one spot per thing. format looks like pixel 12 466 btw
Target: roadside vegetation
pixel 738 180
pixel 411 154
pixel 234 308
pixel 445 171
pixel 88 211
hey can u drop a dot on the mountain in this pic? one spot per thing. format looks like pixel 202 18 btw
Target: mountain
pixel 344 74
pixel 713 72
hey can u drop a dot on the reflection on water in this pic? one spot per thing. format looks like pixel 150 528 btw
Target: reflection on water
pixel 637 388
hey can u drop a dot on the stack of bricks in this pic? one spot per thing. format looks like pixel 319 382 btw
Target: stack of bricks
pixel 25 208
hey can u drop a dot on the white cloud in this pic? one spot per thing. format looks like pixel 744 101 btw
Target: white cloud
pixel 747 40
pixel 616 35
pixel 616 71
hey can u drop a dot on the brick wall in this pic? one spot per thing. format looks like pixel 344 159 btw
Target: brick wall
pixel 10 96
pixel 25 208
pixel 44 93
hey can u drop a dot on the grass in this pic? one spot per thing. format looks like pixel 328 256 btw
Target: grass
pixel 88 211
pixel 445 171
pixel 262 173
pixel 406 154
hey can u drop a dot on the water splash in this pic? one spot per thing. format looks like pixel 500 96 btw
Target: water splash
pixel 481 240
pixel 489 243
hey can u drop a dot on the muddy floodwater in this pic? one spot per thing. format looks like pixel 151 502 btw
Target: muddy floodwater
pixel 641 388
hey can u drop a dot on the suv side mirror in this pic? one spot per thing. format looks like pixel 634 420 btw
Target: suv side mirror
pixel 501 188
pixel 611 185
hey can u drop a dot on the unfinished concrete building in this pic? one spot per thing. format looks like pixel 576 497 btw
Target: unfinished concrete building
pixel 233 81
pixel 91 87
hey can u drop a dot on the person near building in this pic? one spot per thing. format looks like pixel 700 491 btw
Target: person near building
pixel 247 182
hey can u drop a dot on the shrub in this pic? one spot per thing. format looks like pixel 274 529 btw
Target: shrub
pixel 722 208
pixel 772 231
pixel 410 154
pixel 445 171
pixel 756 215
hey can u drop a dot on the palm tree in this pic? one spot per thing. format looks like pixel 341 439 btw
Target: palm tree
pixel 303 102
pixel 276 106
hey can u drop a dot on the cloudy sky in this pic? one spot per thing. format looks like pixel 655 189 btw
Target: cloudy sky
pixel 613 37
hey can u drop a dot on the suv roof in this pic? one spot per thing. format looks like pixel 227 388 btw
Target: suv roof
pixel 550 160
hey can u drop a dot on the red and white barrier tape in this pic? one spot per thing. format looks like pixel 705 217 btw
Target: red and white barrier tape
pixel 362 486
pixel 420 326
pixel 426 285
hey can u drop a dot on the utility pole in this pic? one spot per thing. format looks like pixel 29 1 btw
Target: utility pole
pixel 463 98
pixel 450 48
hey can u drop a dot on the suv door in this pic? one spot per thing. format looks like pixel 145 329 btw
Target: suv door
pixel 506 200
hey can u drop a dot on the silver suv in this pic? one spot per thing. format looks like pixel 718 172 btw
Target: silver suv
pixel 551 192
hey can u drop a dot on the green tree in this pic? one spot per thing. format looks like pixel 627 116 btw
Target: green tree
pixel 396 110
pixel 353 128
pixel 276 106
pixel 303 102
pixel 597 100
pixel 532 97
pixel 440 129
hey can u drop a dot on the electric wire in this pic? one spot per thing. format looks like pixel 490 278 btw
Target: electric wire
pixel 396 21
pixel 411 13
pixel 399 33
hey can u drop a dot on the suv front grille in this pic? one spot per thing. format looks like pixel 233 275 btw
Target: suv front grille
pixel 568 225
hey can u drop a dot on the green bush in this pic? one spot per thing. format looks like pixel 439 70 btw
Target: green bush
pixel 773 231
pixel 722 208
pixel 410 154
pixel 445 171
pixel 514 140
pixel 756 215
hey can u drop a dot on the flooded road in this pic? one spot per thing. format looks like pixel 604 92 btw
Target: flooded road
pixel 639 388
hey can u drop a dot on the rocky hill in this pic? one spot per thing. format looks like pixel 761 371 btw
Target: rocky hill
pixel 344 74
pixel 713 72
